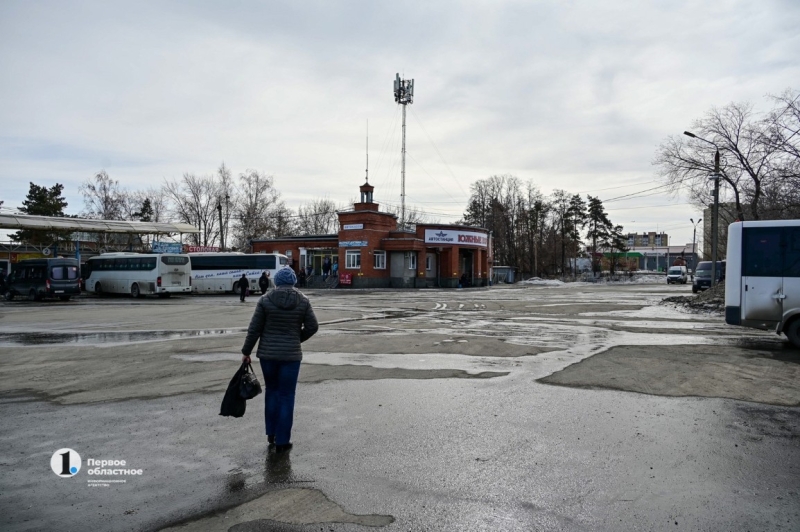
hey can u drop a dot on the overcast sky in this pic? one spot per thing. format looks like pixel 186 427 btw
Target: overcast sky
pixel 566 94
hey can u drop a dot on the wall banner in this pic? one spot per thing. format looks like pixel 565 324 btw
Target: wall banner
pixel 456 238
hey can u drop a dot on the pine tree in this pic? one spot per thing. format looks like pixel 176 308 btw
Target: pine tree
pixel 42 201
pixel 600 228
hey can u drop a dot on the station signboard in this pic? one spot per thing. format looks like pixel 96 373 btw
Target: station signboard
pixel 463 238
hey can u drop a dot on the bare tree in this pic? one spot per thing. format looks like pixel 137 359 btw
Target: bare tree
pixel 414 216
pixel 259 211
pixel 194 200
pixel 317 217
pixel 758 157
pixel 103 198
pixel 159 204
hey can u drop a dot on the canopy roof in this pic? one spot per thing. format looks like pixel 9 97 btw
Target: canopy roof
pixel 86 225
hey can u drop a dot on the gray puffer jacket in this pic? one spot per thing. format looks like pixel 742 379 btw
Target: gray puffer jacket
pixel 283 319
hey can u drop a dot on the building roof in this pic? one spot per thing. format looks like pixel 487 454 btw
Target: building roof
pixel 87 225
pixel 299 238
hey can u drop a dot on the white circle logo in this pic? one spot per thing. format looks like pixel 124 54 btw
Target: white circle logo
pixel 65 463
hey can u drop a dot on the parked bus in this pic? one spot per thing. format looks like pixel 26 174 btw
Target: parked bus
pixel 220 272
pixel 762 283
pixel 139 274
pixel 37 279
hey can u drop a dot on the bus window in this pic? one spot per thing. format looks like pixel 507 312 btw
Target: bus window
pixel 175 259
pixel 791 264
pixel 762 252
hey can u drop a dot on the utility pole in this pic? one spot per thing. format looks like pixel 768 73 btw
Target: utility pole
pixel 715 209
pixel 221 228
pixel 694 249
pixel 715 219
pixel 403 95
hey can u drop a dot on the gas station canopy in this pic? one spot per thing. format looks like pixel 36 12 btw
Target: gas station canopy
pixel 86 225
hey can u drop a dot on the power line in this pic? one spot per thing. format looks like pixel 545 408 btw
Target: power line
pixel 636 193
pixel 414 114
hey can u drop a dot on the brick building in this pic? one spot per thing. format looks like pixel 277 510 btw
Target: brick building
pixel 372 252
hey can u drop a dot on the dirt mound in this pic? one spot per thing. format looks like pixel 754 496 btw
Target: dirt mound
pixel 711 300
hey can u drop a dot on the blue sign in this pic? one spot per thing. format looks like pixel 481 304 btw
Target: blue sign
pixel 167 247
pixel 353 244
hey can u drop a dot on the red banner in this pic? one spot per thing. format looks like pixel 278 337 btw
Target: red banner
pixel 346 278
pixel 200 249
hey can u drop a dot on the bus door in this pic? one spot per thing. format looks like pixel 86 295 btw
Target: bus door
pixel 791 268
pixel 762 274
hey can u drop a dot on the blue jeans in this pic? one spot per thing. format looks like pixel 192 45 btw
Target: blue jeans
pixel 280 383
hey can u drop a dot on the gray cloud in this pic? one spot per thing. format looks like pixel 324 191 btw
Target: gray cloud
pixel 572 95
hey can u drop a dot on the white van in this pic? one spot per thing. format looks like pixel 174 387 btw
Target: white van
pixel 762 283
pixel 677 274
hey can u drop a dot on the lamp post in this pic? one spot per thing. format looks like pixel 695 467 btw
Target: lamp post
pixel 715 211
pixel 694 249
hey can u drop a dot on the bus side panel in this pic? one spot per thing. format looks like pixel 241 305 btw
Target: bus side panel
pixel 733 277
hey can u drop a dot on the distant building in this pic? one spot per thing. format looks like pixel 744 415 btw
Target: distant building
pixel 652 238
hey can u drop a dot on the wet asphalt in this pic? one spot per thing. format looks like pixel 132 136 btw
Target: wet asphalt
pixel 433 454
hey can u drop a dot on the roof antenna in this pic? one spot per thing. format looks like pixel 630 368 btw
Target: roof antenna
pixel 367 150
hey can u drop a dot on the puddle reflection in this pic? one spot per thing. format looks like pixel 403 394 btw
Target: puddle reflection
pixel 278 468
pixel 105 338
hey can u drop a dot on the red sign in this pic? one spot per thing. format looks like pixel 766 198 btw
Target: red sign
pixel 346 278
pixel 200 249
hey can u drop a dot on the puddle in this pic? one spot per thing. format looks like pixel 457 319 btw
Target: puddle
pixel 296 506
pixel 103 338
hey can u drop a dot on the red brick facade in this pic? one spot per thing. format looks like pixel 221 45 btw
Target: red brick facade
pixel 373 253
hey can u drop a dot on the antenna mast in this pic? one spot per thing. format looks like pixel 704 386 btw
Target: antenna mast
pixel 368 150
pixel 404 95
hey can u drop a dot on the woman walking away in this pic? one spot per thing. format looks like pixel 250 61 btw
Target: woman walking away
pixel 283 319
pixel 263 282
pixel 243 285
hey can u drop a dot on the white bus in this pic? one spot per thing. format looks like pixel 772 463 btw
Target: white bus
pixel 139 274
pixel 762 282
pixel 220 272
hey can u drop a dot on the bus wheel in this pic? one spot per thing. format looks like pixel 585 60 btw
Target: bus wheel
pixel 135 291
pixel 9 295
pixel 32 295
pixel 98 289
pixel 793 332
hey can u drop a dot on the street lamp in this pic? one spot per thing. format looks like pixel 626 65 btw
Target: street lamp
pixel 694 250
pixel 715 211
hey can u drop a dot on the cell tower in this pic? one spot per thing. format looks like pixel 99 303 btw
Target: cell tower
pixel 403 95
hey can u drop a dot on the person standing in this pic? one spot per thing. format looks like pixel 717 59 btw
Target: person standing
pixel 244 284
pixel 263 282
pixel 326 268
pixel 282 320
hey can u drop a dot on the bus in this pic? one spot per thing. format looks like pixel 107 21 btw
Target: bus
pixel 762 282
pixel 138 274
pixel 220 272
